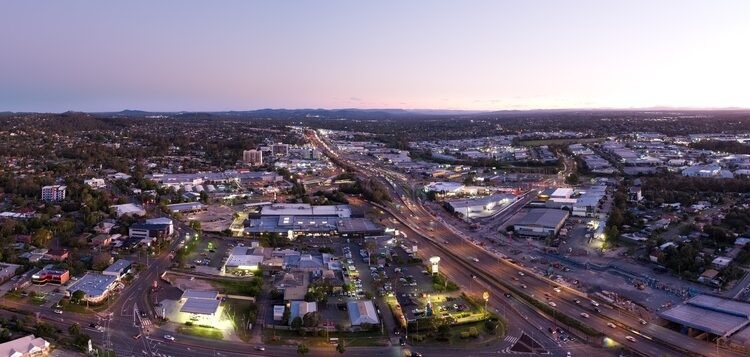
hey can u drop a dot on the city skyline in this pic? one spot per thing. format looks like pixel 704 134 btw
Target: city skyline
pixel 420 55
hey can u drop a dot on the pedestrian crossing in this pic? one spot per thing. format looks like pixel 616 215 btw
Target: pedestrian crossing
pixel 511 339
pixel 146 322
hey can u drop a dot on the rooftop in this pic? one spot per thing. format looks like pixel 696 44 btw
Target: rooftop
pixel 200 306
pixel 542 217
pixel 93 284
pixel 712 314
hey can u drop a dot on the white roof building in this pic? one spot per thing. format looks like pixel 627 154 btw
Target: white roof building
pixel 129 209
pixel 305 209
pixel 25 346
pixel 362 312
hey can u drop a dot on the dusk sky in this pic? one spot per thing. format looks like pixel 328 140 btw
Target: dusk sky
pixel 488 55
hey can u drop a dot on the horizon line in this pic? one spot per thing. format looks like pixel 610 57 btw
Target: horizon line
pixel 416 111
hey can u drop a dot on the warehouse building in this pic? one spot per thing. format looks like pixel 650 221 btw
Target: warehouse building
pixel 709 318
pixel 541 222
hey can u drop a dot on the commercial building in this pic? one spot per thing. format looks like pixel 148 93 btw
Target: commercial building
pixel 200 307
pixel 7 271
pixel 295 226
pixel 51 274
pixel 187 207
pixel 710 317
pixel 95 183
pixel 26 346
pixel 252 157
pixel 541 222
pixel 305 209
pixel 300 309
pixel 445 188
pixel 149 230
pixel 242 259
pixel 129 209
pixel 280 149
pixel 118 268
pixel 362 312
pixel 200 178
pixel 54 193
pixel 95 287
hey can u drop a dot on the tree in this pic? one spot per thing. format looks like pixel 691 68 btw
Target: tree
pixel 78 295
pixel 41 237
pixel 101 261
pixel 74 329
pixel 296 323
pixel 302 349
pixel 340 347
pixel 311 319
pixel 572 179
pixel 43 329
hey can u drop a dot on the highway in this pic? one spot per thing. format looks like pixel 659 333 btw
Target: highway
pixel 651 340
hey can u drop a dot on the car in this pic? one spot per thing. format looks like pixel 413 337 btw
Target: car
pixel 593 302
pixel 552 303
pixel 584 315
pixel 598 310
pixel 401 341
pixel 169 337
pixel 416 354
pixel 521 273
pixel 476 260
pixel 523 286
pixel 630 338
pixel 643 322
pixel 260 348
pixel 508 295
pixel 557 290
pixel 57 311
pixel 611 325
pixel 577 301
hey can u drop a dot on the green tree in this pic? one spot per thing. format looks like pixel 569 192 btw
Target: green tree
pixel 296 323
pixel 74 329
pixel 302 349
pixel 78 296
pixel 340 347
pixel 41 237
pixel 311 319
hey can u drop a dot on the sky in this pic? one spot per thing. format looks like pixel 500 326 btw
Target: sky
pixel 475 55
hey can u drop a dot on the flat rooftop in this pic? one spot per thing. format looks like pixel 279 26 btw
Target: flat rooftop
pixel 305 209
pixel 200 306
pixel 542 217
pixel 711 314
pixel 354 225
pixel 118 266
pixel 200 294
pixel 93 284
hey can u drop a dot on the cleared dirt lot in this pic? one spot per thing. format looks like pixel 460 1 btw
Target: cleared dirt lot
pixel 217 218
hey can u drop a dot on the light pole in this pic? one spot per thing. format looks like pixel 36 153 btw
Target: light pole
pixel 486 297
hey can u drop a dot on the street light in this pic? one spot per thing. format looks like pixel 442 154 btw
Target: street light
pixel 486 297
